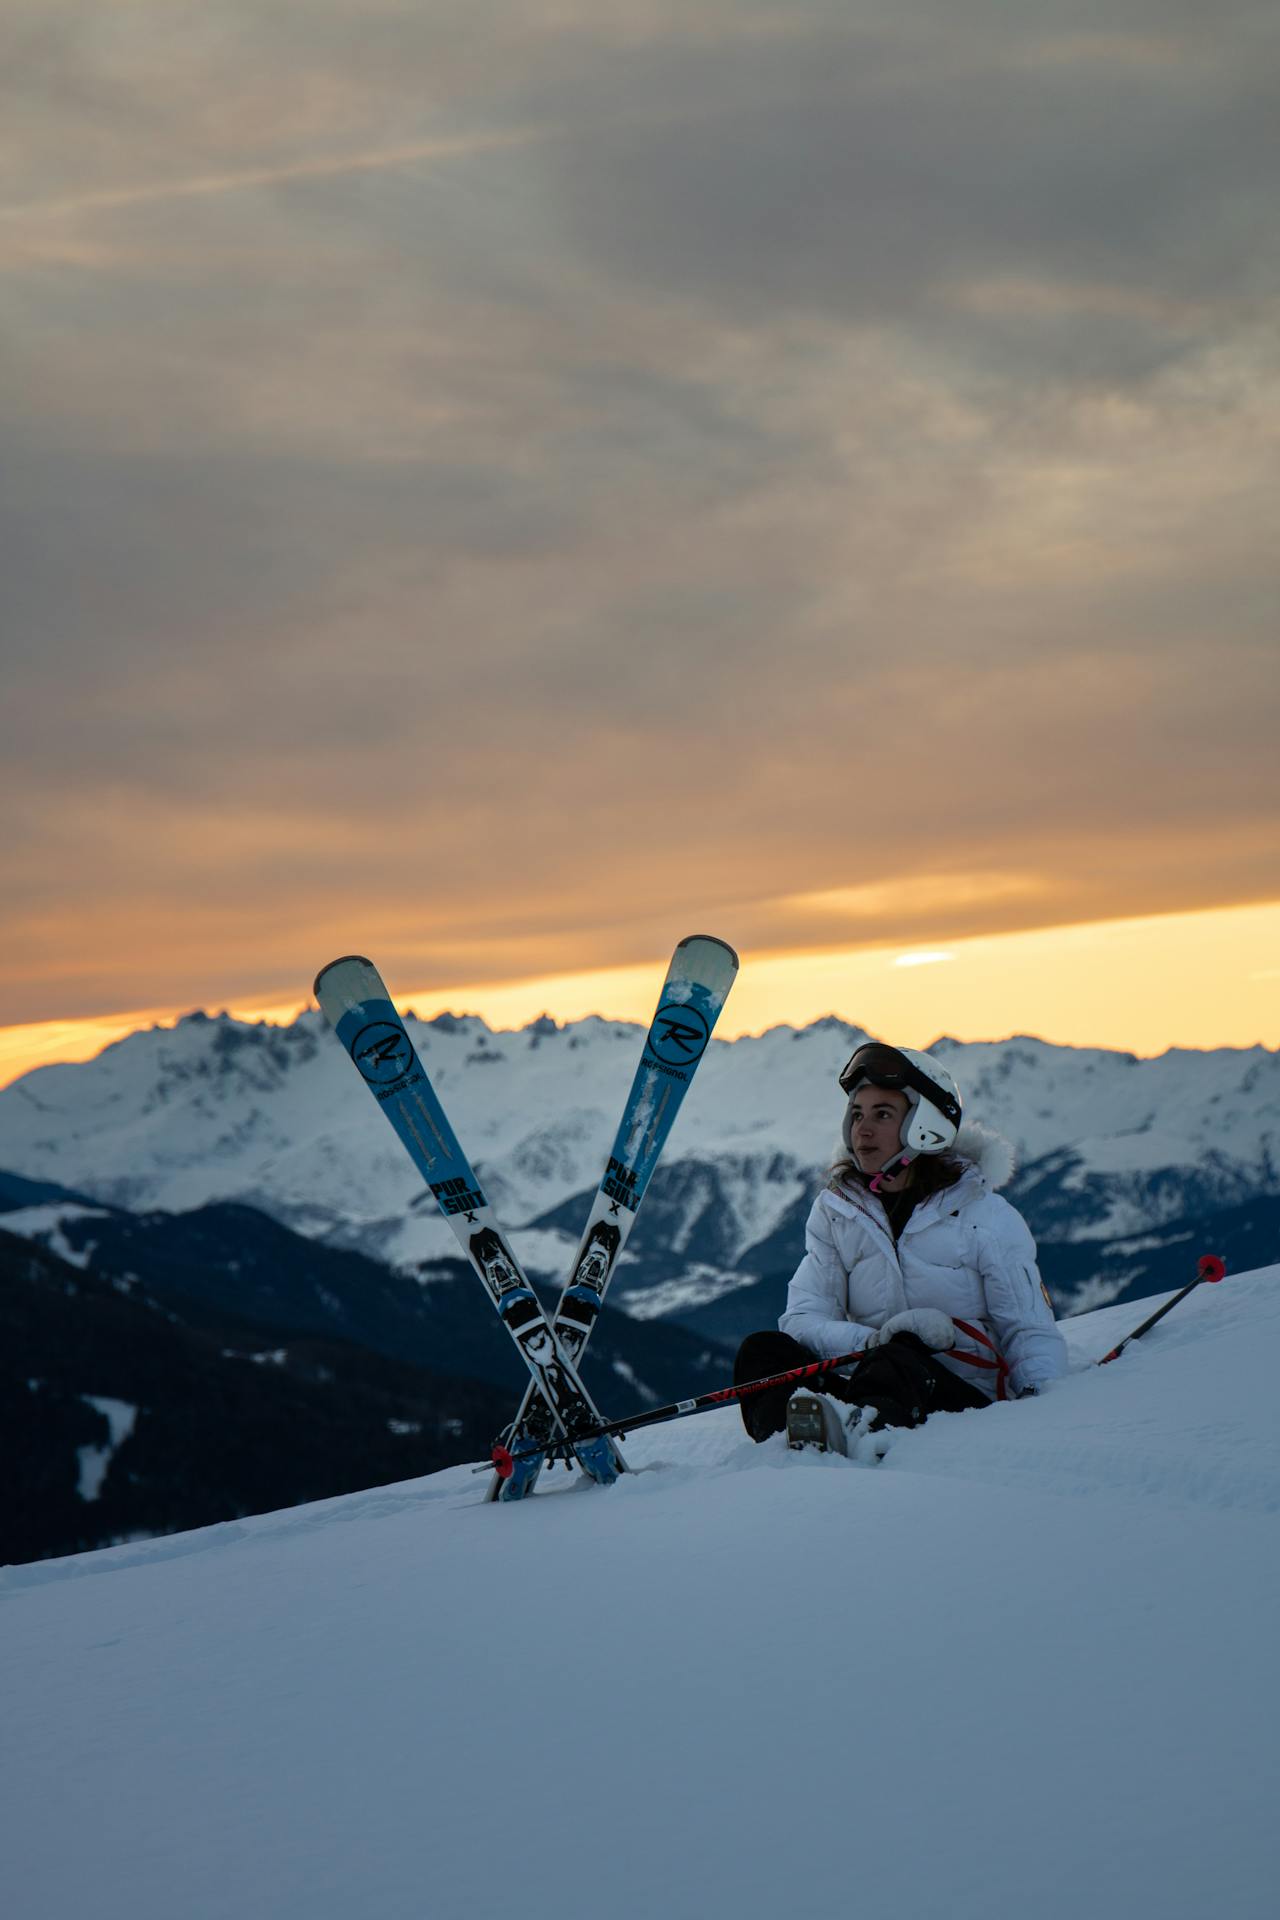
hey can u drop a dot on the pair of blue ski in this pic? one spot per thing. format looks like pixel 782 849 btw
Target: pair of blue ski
pixel 557 1411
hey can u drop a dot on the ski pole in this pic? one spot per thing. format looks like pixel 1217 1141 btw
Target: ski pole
pixel 1210 1268
pixel 505 1458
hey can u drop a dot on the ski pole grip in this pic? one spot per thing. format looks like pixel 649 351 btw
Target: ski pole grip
pixel 1212 1267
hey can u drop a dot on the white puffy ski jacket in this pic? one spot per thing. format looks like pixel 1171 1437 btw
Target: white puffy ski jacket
pixel 964 1250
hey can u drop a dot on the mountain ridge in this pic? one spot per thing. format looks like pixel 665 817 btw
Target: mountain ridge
pixel 214 1110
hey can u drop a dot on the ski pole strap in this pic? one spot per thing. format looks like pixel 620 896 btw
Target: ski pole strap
pixel 998 1365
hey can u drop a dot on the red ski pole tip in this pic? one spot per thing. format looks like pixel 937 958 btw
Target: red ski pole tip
pixel 1212 1267
pixel 506 1466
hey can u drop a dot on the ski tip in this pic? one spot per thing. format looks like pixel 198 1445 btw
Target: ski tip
pixel 1212 1267
pixel 711 940
pixel 344 960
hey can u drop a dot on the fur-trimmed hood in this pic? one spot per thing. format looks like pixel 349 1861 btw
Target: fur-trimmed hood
pixel 995 1157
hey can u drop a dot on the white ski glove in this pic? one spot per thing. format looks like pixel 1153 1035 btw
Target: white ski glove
pixel 931 1327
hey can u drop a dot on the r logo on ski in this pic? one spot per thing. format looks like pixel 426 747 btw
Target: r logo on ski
pixel 679 1036
pixel 382 1052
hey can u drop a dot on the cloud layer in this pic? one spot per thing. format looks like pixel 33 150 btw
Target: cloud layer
pixel 495 485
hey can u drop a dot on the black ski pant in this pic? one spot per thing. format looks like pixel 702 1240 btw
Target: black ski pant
pixel 903 1381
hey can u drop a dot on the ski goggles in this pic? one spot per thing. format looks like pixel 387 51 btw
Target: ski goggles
pixel 876 1065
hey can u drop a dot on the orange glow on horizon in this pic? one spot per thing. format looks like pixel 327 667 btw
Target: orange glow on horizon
pixel 1196 980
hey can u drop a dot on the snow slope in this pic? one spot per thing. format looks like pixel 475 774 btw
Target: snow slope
pixel 1024 1667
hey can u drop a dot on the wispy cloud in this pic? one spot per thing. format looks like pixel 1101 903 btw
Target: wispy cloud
pixel 329 167
pixel 499 483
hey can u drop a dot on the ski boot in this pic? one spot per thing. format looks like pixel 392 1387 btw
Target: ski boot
pixel 815 1420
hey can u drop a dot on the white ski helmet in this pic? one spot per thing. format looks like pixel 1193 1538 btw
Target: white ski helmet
pixel 932 1119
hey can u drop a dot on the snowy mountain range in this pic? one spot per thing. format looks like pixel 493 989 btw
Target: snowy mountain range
pixel 132 1407
pixel 1019 1668
pixel 256 1369
pixel 1120 1158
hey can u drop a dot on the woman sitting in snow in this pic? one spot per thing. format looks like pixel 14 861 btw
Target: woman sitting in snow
pixel 911 1256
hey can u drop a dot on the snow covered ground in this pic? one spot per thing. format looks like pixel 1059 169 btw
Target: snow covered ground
pixel 1027 1666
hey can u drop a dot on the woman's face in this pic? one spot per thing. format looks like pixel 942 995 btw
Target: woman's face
pixel 875 1126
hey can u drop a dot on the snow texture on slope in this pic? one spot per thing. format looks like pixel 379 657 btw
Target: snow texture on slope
pixel 1025 1667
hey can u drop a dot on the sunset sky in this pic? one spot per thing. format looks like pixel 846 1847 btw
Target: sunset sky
pixel 500 486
